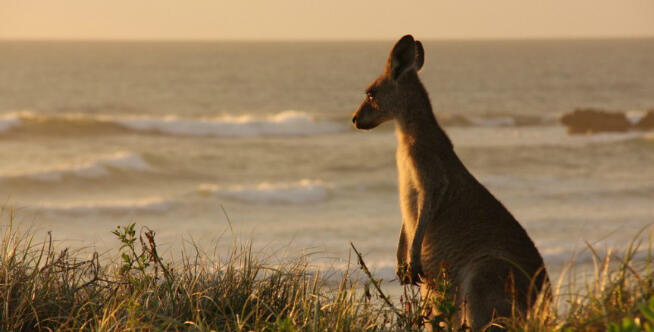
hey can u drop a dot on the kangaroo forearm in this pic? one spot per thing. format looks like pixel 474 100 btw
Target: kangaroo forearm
pixel 427 215
pixel 402 247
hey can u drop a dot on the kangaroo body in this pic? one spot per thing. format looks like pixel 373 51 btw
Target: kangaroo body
pixel 449 219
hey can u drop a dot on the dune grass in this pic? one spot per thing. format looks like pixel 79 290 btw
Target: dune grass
pixel 44 288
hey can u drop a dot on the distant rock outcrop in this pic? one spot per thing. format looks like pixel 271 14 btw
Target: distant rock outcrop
pixel 590 121
pixel 646 122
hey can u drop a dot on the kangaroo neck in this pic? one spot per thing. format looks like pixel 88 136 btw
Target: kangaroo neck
pixel 417 125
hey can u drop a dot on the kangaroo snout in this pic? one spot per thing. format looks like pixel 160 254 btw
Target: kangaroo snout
pixel 356 121
pixel 367 117
pixel 358 124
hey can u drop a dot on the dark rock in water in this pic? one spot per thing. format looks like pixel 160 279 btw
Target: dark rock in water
pixel 646 122
pixel 583 121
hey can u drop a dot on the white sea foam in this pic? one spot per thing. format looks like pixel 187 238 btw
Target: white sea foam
pixel 560 256
pixel 9 120
pixel 90 169
pixel 302 192
pixel 149 204
pixel 634 116
pixel 534 136
pixel 499 121
pixel 288 123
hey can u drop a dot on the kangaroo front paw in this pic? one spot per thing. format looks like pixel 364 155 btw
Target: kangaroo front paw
pixel 415 271
pixel 400 272
pixel 409 274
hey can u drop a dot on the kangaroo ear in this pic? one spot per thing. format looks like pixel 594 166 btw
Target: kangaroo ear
pixel 402 58
pixel 420 55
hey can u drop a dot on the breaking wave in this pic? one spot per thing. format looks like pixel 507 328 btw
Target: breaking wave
pixel 8 121
pixel 302 192
pixel 91 169
pixel 543 136
pixel 560 256
pixel 150 204
pixel 493 120
pixel 287 123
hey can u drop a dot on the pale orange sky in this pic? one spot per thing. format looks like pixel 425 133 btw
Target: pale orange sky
pixel 327 19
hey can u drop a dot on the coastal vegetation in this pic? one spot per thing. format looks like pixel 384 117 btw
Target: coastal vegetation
pixel 44 287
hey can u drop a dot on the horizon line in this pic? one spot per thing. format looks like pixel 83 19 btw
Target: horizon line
pixel 276 40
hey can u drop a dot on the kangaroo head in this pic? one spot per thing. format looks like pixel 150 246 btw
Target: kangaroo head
pixel 387 95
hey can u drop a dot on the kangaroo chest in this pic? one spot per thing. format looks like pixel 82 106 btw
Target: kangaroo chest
pixel 408 188
pixel 437 245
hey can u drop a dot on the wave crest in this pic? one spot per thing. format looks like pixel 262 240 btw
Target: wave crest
pixel 91 169
pixel 302 192
pixel 493 120
pixel 287 123
pixel 8 121
pixel 150 204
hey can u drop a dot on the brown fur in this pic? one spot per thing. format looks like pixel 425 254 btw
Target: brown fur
pixel 448 216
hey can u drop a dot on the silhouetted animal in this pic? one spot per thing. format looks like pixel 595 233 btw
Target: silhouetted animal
pixel 448 216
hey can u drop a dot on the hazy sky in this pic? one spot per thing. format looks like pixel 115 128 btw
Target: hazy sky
pixel 327 19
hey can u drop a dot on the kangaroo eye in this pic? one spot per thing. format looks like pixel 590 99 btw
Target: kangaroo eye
pixel 370 96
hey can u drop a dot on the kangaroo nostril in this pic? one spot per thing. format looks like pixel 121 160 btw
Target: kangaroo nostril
pixel 354 119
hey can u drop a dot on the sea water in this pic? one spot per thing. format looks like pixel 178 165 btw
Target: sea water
pixel 209 141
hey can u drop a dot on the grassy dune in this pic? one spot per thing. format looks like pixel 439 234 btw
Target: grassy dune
pixel 45 288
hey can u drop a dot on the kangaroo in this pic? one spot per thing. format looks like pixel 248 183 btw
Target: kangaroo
pixel 449 218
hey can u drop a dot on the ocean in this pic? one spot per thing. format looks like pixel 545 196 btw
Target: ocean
pixel 206 142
